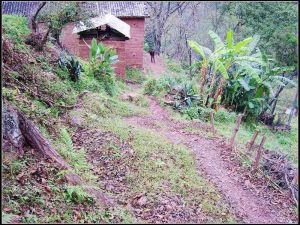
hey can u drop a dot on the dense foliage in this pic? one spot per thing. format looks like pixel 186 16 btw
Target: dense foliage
pixel 15 28
pixel 72 65
pixel 242 70
pixel 276 23
pixel 100 65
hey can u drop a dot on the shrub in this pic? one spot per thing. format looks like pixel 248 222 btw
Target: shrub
pixel 223 116
pixel 135 75
pixel 152 87
pixel 197 112
pixel 174 67
pixel 69 63
pixel 15 28
pixel 146 47
pixel 100 65
pixel 77 195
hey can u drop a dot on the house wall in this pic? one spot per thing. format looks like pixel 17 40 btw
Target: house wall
pixel 130 52
pixel 134 47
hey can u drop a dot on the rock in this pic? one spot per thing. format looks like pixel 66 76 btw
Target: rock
pixel 12 135
pixel 142 201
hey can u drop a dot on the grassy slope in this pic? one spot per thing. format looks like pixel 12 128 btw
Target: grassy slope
pixel 286 142
pixel 173 167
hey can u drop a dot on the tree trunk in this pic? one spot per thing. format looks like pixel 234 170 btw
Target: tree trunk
pixel 280 89
pixel 292 110
pixel 157 42
pixel 274 106
pixel 42 43
pixel 35 138
pixel 33 19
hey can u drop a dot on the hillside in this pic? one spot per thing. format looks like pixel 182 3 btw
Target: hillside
pixel 130 158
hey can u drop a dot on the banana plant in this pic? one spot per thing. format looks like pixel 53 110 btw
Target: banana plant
pixel 220 60
pixel 102 59
pixel 245 76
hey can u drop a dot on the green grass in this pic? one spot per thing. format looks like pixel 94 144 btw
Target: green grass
pixel 75 157
pixel 107 106
pixel 282 141
pixel 160 164
pixel 15 28
pixel 135 75
pixel 173 66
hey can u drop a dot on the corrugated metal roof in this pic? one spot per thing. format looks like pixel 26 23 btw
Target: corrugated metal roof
pixel 19 8
pixel 119 9
pixel 109 20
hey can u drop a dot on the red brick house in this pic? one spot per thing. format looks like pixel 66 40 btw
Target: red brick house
pixel 129 46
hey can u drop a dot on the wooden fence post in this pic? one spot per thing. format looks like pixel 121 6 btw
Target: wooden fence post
pixel 258 154
pixel 238 123
pixel 212 122
pixel 253 140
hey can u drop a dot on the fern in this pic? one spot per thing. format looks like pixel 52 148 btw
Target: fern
pixel 66 139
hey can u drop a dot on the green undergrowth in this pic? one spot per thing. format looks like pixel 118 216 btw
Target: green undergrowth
pixel 162 167
pixel 281 141
pixel 106 106
pixel 57 95
pixel 173 66
pixel 35 192
pixel 15 27
pixel 135 75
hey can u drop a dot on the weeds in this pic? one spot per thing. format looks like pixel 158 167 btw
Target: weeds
pixel 76 194
pixel 15 28
pixel 76 158
pixel 135 75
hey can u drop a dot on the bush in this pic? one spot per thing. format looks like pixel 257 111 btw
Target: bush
pixel 197 112
pixel 174 67
pixel 223 116
pixel 15 28
pixel 153 87
pixel 146 47
pixel 76 194
pixel 72 65
pixel 100 65
pixel 135 75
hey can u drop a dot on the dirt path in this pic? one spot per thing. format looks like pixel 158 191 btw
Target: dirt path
pixel 245 203
pixel 155 69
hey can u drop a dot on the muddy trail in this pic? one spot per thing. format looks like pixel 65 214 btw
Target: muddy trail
pixel 250 199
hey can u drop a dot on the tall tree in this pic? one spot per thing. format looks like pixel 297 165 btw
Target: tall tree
pixel 275 22
pixel 160 12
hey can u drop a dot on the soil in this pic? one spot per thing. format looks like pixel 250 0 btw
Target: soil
pixel 249 201
pixel 157 68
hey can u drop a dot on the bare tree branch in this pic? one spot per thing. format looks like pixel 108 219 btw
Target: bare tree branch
pixel 33 19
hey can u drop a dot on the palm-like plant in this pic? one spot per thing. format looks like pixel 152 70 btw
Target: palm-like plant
pixel 246 74
pixel 101 60
pixel 220 60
